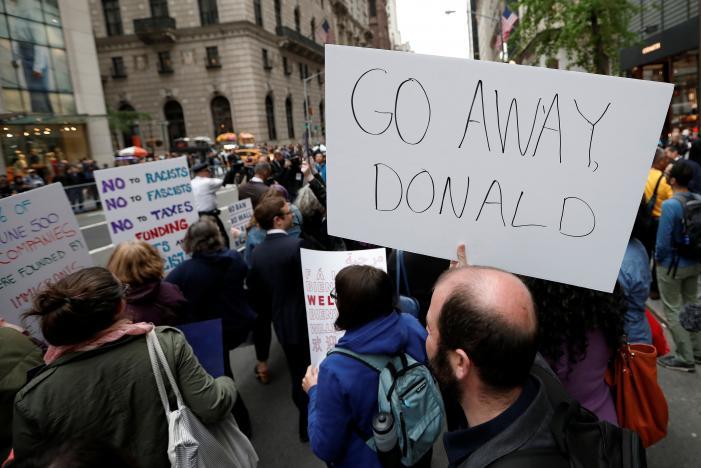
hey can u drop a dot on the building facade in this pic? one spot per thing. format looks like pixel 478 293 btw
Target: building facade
pixel 206 67
pixel 485 23
pixel 379 24
pixel 51 105
pixel 668 51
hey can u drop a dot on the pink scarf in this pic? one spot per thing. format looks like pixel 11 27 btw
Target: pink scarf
pixel 116 331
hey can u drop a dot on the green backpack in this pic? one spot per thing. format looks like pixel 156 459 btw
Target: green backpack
pixel 408 391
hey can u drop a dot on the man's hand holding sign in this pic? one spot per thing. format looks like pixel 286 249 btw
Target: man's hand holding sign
pixel 540 171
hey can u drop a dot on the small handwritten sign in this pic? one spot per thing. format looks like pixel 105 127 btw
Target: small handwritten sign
pixel 40 243
pixel 319 273
pixel 240 214
pixel 539 171
pixel 152 202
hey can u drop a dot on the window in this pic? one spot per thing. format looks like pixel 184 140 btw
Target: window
pixel 213 57
pixel 118 68
pixel 373 8
pixel 173 113
pixel 290 117
pixel 113 17
pixel 209 14
pixel 266 60
pixel 165 64
pixel 278 14
pixel 319 77
pixel 312 28
pixel 159 8
pixel 301 72
pixel 221 115
pixel 258 10
pixel 298 28
pixel 286 66
pixel 306 71
pixel 270 117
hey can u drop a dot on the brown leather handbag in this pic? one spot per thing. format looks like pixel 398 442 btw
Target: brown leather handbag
pixel 640 403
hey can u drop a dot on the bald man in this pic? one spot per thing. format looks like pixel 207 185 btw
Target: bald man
pixel 481 346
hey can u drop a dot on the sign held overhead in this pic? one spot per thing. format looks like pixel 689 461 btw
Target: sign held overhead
pixel 539 171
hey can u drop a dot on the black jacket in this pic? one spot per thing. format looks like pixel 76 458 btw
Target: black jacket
pixel 275 284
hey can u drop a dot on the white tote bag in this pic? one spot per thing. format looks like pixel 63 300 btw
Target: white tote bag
pixel 190 443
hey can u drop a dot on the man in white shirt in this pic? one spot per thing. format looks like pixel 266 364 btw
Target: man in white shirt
pixel 204 189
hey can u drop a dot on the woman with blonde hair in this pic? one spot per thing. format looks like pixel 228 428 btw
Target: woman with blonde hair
pixel 149 298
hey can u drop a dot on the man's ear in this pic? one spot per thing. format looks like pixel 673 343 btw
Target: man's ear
pixel 460 363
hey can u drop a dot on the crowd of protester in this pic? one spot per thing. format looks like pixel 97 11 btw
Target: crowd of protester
pixel 497 344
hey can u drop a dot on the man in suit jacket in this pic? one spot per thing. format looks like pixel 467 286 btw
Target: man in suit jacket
pixel 256 187
pixel 275 283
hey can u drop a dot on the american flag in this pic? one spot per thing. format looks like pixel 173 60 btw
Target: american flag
pixel 508 21
pixel 324 34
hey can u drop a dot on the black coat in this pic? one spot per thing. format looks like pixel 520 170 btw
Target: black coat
pixel 252 190
pixel 275 284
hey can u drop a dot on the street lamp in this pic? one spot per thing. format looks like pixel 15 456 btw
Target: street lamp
pixel 307 120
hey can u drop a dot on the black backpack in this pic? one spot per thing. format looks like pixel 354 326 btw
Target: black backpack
pixel 690 246
pixel 582 440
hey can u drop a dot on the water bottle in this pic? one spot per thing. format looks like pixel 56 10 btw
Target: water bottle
pixel 386 440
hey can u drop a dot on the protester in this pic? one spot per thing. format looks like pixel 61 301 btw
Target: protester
pixel 579 330
pixel 275 284
pixel 635 281
pixel 212 282
pixel 18 354
pixel 149 299
pixel 204 190
pixel 481 344
pixel 101 362
pixel 677 275
pixel 256 187
pixel 344 401
pixel 285 172
pixel 320 166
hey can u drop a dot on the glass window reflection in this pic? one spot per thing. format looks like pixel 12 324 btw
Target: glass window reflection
pixel 4 32
pixel 8 69
pixel 27 31
pixel 30 9
pixel 55 36
pixel 61 74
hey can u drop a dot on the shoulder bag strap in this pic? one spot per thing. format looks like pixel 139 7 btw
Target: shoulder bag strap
pixel 653 198
pixel 155 348
pixel 157 374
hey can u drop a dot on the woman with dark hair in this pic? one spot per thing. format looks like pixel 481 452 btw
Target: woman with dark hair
pixel 98 382
pixel 579 331
pixel 212 282
pixel 344 401
pixel 149 299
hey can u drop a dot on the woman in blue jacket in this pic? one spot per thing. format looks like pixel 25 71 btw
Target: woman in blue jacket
pixel 343 395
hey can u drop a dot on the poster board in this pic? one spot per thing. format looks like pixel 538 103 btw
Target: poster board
pixel 319 270
pixel 539 171
pixel 40 242
pixel 152 202
pixel 240 214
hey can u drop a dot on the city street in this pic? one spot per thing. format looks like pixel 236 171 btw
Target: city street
pixel 274 416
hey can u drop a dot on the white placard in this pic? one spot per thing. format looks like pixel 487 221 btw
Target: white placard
pixel 40 242
pixel 152 202
pixel 240 214
pixel 319 270
pixel 539 171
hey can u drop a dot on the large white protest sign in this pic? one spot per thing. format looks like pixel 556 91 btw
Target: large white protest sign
pixel 240 214
pixel 319 272
pixel 152 202
pixel 539 171
pixel 40 242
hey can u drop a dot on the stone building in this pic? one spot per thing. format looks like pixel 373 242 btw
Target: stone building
pixel 51 102
pixel 379 24
pixel 205 67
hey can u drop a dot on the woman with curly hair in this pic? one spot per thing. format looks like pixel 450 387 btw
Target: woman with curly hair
pixel 579 332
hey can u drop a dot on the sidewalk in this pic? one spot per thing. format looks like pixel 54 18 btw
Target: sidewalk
pixel 682 446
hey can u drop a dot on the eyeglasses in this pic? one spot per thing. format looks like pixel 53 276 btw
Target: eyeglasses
pixel 333 294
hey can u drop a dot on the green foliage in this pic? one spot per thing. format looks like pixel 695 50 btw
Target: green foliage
pixel 123 121
pixel 591 32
